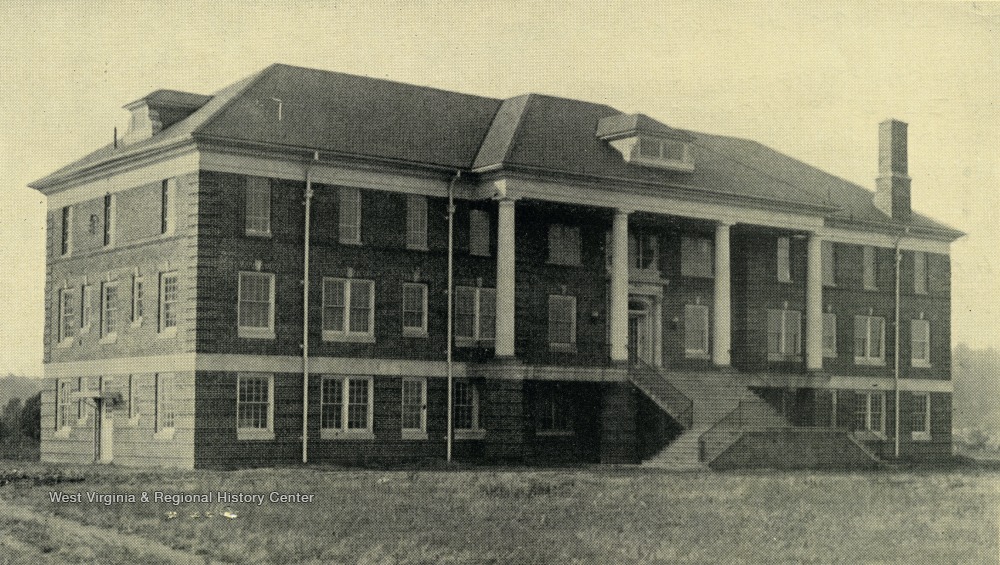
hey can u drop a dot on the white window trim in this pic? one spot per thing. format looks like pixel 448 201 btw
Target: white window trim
pixel 355 224
pixel 784 259
pixel 828 353
pixel 476 340
pixel 343 432
pixel 915 361
pixel 265 186
pixel 109 337
pixel 161 318
pixel 63 339
pixel 421 432
pixel 164 432
pixel 347 335
pixel 413 331
pixel 869 396
pixel 256 434
pixel 926 434
pixel 563 249
pixel 700 310
pixel 783 355
pixel 416 222
pixel 865 358
pixel 255 332
pixel 476 431
pixel 477 248
pixel 570 346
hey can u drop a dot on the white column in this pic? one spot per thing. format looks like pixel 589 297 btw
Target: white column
pixel 721 342
pixel 505 278
pixel 814 303
pixel 618 315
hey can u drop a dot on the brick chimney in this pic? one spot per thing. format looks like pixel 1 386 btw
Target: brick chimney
pixel 892 194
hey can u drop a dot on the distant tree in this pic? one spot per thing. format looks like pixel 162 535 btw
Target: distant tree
pixel 12 414
pixel 31 417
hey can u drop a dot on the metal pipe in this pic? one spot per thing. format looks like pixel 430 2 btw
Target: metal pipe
pixel 896 349
pixel 450 323
pixel 305 313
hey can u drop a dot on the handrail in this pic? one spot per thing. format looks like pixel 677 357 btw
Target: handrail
pixel 750 414
pixel 675 402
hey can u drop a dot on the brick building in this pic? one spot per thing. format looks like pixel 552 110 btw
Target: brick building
pixel 623 291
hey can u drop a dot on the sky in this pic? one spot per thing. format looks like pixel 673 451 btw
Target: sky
pixel 812 80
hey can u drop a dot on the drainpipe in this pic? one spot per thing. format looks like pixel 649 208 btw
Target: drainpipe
pixel 451 303
pixel 895 361
pixel 305 313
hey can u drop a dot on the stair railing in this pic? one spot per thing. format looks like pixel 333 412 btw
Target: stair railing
pixel 655 385
pixel 750 414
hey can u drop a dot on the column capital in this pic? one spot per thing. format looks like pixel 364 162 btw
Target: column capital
pixel 505 199
pixel 623 211
pixel 724 223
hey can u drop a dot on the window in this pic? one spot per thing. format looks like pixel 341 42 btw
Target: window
pixel 564 245
pixel 919 272
pixel 348 310
pixel 829 258
pixel 414 420
pixel 168 191
pixel 695 330
pixel 869 340
pixel 920 343
pixel 868 270
pixel 81 385
pixel 920 416
pixel 132 397
pixel 829 334
pixel 475 314
pixel 562 323
pixel 643 251
pixel 416 222
pixel 554 415
pixel 254 406
pixel 696 257
pixel 414 309
pixel 86 307
pixel 870 413
pixel 67 314
pixel 109 310
pixel 165 405
pixel 466 410
pixel 784 260
pixel 257 206
pixel 256 305
pixel 109 218
pixel 63 404
pixel 67 230
pixel 346 407
pixel 667 153
pixel 479 233
pixel 168 302
pixel 350 215
pixel 136 300
pixel 784 334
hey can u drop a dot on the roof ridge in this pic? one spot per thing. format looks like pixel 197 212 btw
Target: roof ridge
pixel 250 81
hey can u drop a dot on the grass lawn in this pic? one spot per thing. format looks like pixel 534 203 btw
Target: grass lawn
pixel 596 515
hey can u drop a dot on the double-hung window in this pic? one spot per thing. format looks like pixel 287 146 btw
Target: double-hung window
pixel 166 405
pixel 564 245
pixel 416 222
pixel 784 259
pixel 869 340
pixel 257 206
pixel 696 257
pixel 920 416
pixel 920 343
pixel 346 407
pixel 829 334
pixel 256 305
pixel 475 315
pixel 414 415
pixel 553 411
pixel 68 322
pixel 784 334
pixel 695 330
pixel 349 215
pixel 466 410
pixel 109 310
pixel 169 302
pixel 829 260
pixel 868 269
pixel 870 413
pixel 562 323
pixel 348 310
pixel 643 250
pixel 168 197
pixel 919 272
pixel 414 309
pixel 479 233
pixel 86 308
pixel 255 406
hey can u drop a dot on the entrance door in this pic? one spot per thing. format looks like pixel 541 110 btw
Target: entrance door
pixel 640 347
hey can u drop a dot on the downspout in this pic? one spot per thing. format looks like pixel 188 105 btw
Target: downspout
pixel 451 302
pixel 305 313
pixel 895 366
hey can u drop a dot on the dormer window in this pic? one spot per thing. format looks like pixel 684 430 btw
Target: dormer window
pixel 644 141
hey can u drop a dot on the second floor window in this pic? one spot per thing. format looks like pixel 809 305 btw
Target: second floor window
pixel 109 309
pixel 66 230
pixel 564 244
pixel 869 270
pixel 784 334
pixel 479 233
pixel 348 309
pixel 784 259
pixel 829 258
pixel 169 301
pixel 869 340
pixel 416 222
pixel 643 251
pixel 257 206
pixel 562 322
pixel 919 272
pixel 67 314
pixel 920 343
pixel 349 215
pixel 696 257
pixel 255 308
pixel 414 309
pixel 475 314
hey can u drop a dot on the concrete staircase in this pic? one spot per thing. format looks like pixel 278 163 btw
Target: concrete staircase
pixel 714 396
